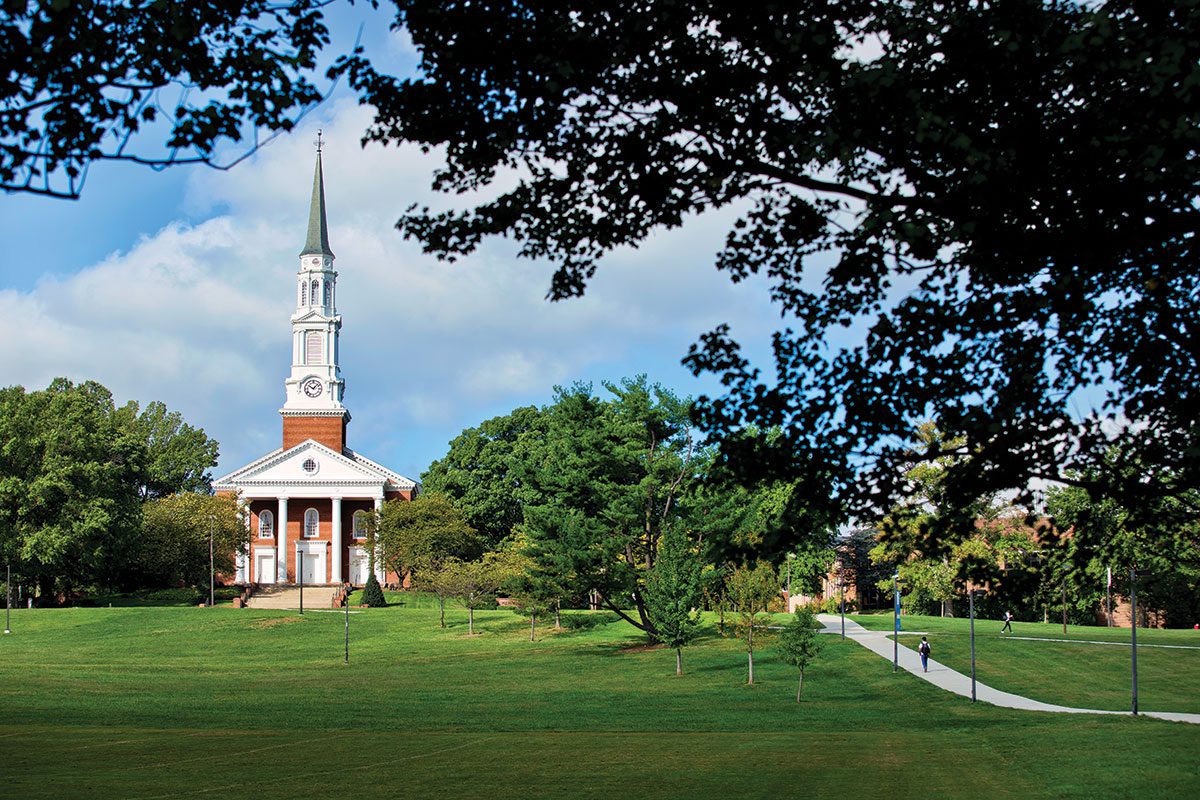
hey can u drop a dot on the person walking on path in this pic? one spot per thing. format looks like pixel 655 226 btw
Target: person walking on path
pixel 1007 622
pixel 923 650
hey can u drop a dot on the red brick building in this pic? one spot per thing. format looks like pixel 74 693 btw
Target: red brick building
pixel 308 502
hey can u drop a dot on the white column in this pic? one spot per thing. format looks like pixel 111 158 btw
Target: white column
pixel 243 559
pixel 281 540
pixel 380 569
pixel 335 569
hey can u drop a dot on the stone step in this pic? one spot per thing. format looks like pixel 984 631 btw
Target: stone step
pixel 289 597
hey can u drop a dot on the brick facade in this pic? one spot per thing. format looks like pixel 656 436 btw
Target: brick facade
pixel 329 431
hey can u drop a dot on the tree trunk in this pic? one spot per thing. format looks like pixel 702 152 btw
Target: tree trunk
pixel 532 622
pixel 750 651
pixel 471 621
pixel 800 688
pixel 557 616
pixel 442 611
pixel 678 660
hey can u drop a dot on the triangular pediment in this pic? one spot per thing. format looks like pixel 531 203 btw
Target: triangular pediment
pixel 311 463
pixel 311 313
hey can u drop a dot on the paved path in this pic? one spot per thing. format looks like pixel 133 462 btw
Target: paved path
pixel 945 678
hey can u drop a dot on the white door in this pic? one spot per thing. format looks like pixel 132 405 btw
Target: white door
pixel 264 568
pixel 312 571
pixel 359 571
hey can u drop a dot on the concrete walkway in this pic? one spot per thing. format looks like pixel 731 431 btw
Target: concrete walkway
pixel 943 677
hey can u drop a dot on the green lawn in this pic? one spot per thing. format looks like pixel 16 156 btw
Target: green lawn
pixel 188 702
pixel 1074 672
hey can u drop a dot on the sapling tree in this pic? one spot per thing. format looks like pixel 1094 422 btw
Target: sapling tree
pixel 474 583
pixel 673 590
pixel 751 590
pixel 442 580
pixel 799 643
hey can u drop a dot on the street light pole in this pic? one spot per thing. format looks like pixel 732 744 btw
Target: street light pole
pixel 7 597
pixel 1133 630
pixel 896 621
pixel 1064 607
pixel 842 593
pixel 300 576
pixel 790 556
pixel 346 602
pixel 971 603
pixel 212 574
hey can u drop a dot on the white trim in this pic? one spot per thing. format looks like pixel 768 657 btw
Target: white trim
pixel 373 474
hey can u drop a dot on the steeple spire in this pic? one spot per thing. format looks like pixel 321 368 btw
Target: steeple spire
pixel 317 243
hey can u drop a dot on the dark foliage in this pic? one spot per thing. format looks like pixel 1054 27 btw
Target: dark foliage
pixel 79 81
pixel 1001 195
pixel 372 595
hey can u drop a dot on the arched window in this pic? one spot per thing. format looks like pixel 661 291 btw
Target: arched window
pixel 303 293
pixel 360 524
pixel 266 524
pixel 328 293
pixel 312 521
pixel 312 347
pixel 314 293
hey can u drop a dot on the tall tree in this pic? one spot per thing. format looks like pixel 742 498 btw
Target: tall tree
pixel 421 534
pixel 174 545
pixel 674 589
pixel 146 82
pixel 751 590
pixel 609 475
pixel 180 458
pixel 999 196
pixel 482 475
pixel 74 471
pixel 69 484
pixel 1105 533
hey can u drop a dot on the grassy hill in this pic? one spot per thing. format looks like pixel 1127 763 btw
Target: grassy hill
pixel 188 702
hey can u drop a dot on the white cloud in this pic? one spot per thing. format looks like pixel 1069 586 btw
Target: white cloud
pixel 196 314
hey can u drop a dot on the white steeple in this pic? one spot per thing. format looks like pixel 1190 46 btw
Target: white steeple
pixel 315 386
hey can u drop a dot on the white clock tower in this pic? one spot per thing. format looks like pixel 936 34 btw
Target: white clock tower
pixel 315 388
pixel 310 502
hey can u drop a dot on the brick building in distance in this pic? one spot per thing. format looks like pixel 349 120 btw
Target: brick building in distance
pixel 309 501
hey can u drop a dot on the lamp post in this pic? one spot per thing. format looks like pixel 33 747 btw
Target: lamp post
pixel 212 574
pixel 300 575
pixel 896 621
pixel 1108 595
pixel 346 602
pixel 971 603
pixel 1133 576
pixel 1064 606
pixel 842 599
pixel 7 597
pixel 790 556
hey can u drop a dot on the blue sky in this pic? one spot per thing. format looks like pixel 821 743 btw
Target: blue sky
pixel 177 286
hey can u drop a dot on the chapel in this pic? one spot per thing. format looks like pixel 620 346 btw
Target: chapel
pixel 308 502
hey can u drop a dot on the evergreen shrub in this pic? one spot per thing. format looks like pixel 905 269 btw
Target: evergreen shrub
pixel 372 594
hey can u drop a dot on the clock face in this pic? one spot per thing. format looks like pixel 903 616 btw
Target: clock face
pixel 313 388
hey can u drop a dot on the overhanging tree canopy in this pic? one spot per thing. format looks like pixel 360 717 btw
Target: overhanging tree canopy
pixel 1001 195
pixel 80 80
